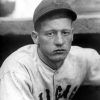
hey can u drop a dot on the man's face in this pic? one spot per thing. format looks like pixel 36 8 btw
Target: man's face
pixel 55 38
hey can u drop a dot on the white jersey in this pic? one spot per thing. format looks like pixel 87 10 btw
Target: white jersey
pixel 23 76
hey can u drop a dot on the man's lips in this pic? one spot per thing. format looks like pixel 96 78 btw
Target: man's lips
pixel 59 51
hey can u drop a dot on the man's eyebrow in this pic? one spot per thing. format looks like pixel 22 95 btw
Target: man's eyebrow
pixel 53 30
pixel 67 30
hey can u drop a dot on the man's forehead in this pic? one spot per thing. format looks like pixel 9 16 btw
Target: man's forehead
pixel 56 24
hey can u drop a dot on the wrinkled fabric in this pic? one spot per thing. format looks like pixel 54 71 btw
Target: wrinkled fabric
pixel 23 76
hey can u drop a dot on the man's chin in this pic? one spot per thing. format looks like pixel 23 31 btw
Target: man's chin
pixel 58 58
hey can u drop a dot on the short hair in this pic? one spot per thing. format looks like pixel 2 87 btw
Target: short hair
pixel 52 15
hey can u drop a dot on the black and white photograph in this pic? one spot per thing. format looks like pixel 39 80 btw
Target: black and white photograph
pixel 49 49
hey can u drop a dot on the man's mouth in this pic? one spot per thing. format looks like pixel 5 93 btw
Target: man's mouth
pixel 59 51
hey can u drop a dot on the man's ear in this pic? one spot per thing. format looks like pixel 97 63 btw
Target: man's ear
pixel 34 36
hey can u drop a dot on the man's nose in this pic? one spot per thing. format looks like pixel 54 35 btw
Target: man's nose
pixel 59 39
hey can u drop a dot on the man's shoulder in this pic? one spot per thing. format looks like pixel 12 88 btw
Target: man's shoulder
pixel 24 56
pixel 79 57
pixel 83 52
pixel 25 51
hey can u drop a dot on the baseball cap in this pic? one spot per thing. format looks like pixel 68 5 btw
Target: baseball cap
pixel 47 6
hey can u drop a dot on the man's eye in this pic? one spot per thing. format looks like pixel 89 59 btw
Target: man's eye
pixel 50 34
pixel 66 33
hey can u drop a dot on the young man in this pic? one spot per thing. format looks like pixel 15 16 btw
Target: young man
pixel 50 69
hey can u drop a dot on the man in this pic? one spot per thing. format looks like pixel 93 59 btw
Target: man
pixel 50 69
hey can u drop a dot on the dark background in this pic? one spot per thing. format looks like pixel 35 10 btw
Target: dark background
pixel 9 43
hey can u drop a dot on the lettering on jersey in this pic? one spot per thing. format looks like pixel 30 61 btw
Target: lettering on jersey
pixel 40 96
pixel 73 93
pixel 47 95
pixel 60 93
